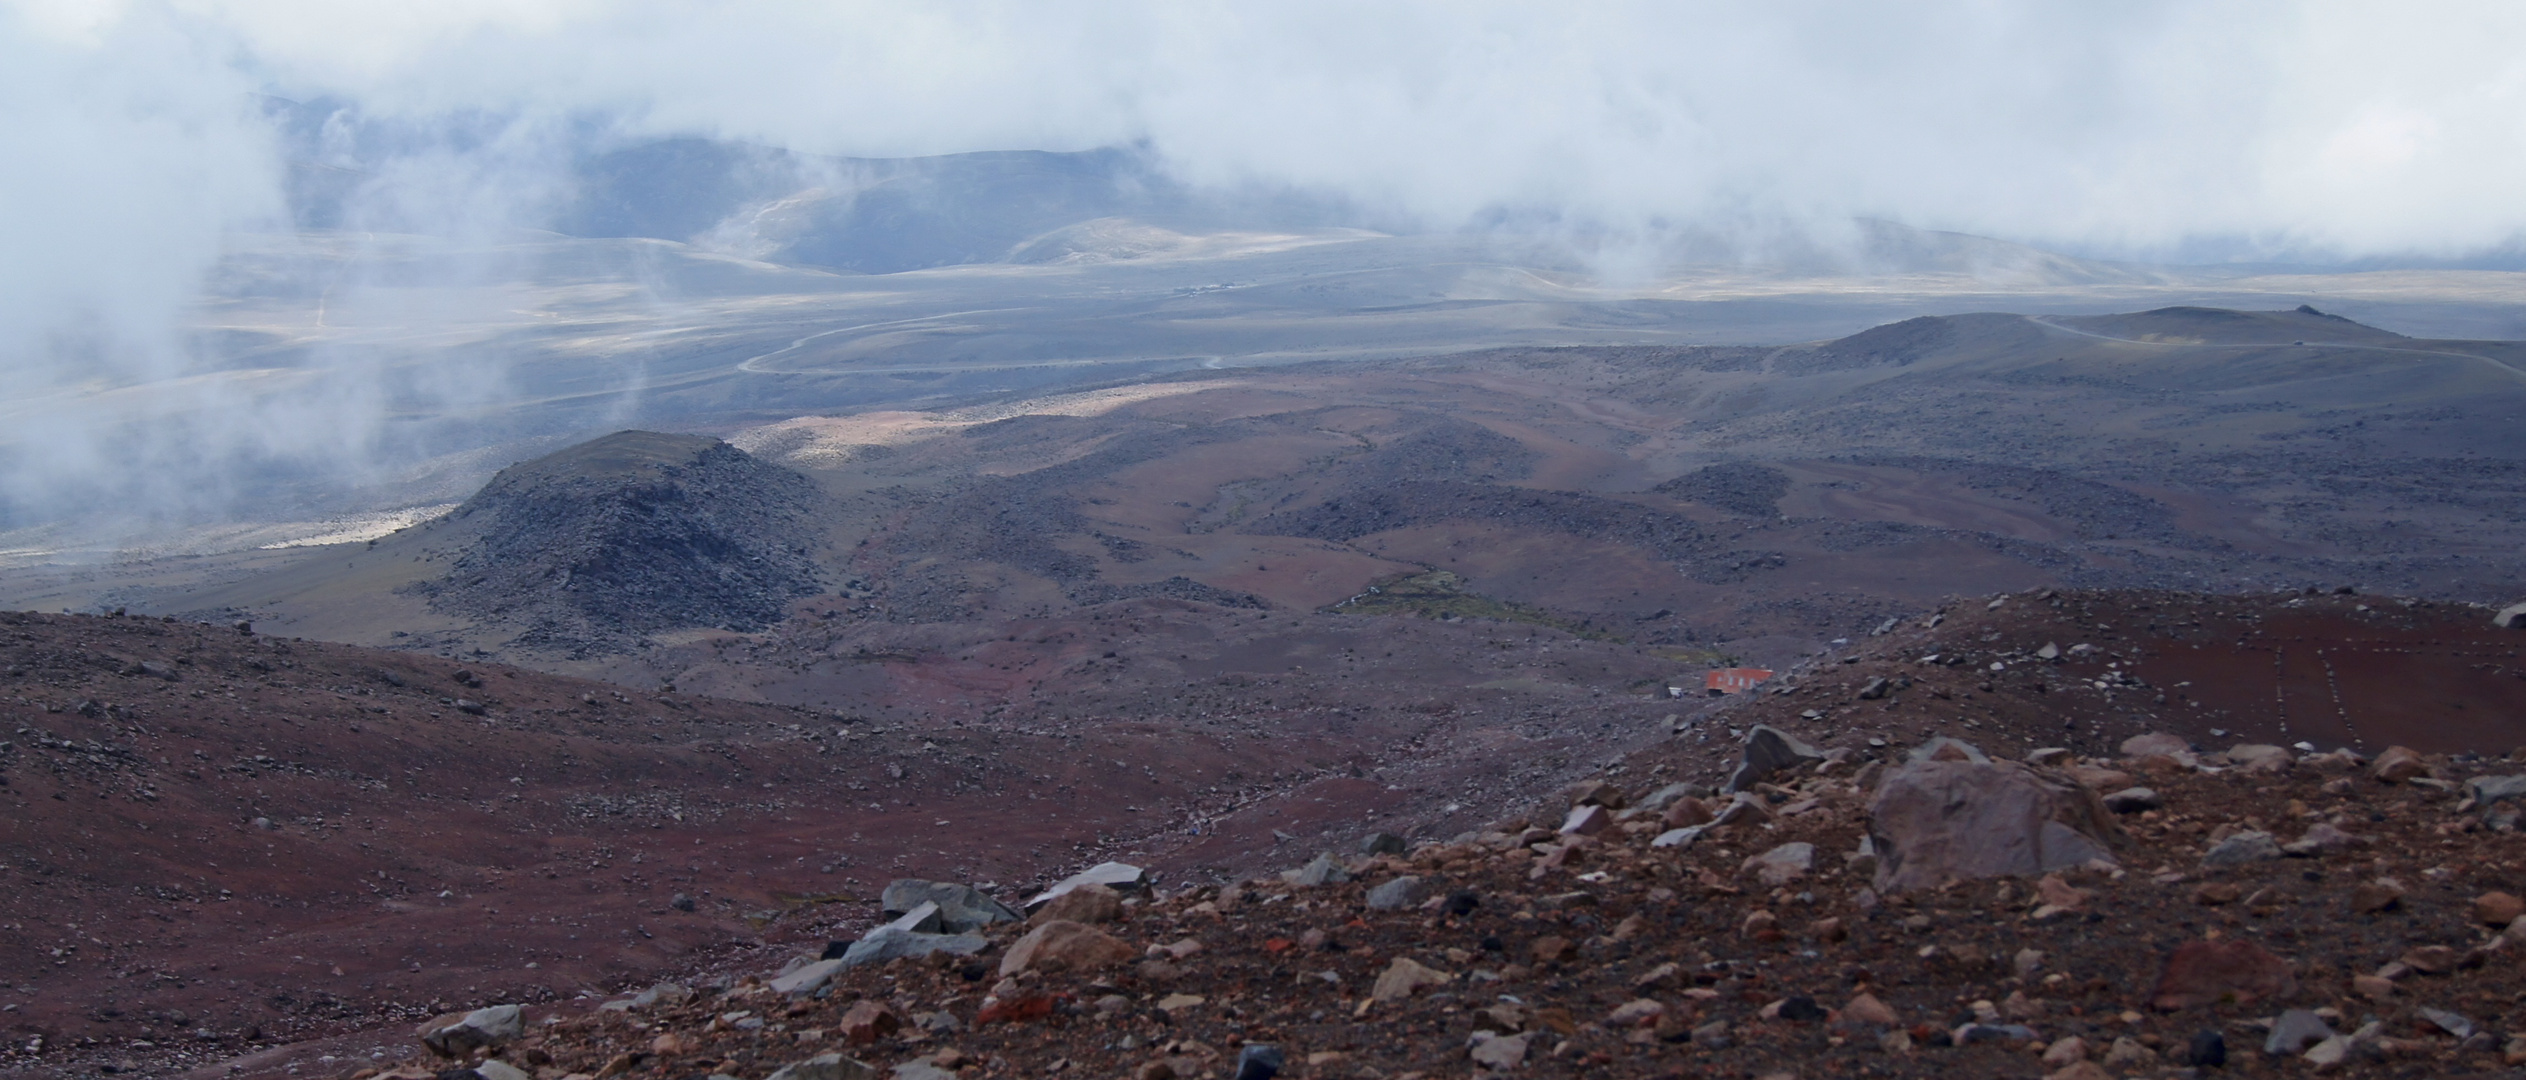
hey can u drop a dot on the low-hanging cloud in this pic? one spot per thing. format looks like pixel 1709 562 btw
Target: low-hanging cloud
pixel 138 154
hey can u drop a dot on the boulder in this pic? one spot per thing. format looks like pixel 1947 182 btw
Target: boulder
pixel 922 919
pixel 1768 751
pixel 1497 1053
pixel 825 1067
pixel 1321 870
pixel 961 908
pixel 2398 764
pixel 1404 976
pixel 810 977
pixel 2512 617
pixel 2143 748
pixel 1586 820
pixel 1781 865
pixel 2241 848
pixel 1120 877
pixel 2260 758
pixel 2294 1031
pixel 2133 800
pixel 1686 812
pixel 1402 892
pixel 1666 796
pixel 458 1034
pixel 1383 843
pixel 1062 945
pixel 2201 973
pixel 1597 793
pixel 1932 822
pixel 2487 790
pixel 879 948
pixel 1085 904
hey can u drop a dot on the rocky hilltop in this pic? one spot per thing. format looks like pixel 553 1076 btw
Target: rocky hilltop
pixel 630 534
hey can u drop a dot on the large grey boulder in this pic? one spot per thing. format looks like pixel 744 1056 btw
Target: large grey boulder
pixel 2486 790
pixel 458 1035
pixel 1933 822
pixel 882 945
pixel 1768 751
pixel 2512 617
pixel 960 907
pixel 1120 877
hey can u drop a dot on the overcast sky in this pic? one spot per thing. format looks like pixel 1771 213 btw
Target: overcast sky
pixel 134 150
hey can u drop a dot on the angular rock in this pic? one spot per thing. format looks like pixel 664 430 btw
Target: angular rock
pixel 923 918
pixel 961 908
pixel 2512 617
pixel 2201 973
pixel 1404 976
pixel 1402 892
pixel 2260 758
pixel 2160 745
pixel 1596 793
pixel 2080 1070
pixel 1677 838
pixel 1932 822
pixel 1498 1053
pixel 2487 790
pixel 458 1034
pixel 2133 801
pixel 1259 1061
pixel 1324 869
pixel 1586 820
pixel 2127 1053
pixel 1867 1009
pixel 825 1067
pixel 2451 1023
pixel 1768 751
pixel 2320 838
pixel 879 948
pixel 1666 796
pixel 1120 877
pixel 1065 946
pixel 1085 904
pixel 808 978
pixel 1686 812
pixel 1383 843
pixel 2398 764
pixel 1746 808
pixel 868 1021
pixel 496 1069
pixel 2370 897
pixel 2295 1030
pixel 2208 1049
pixel 2241 848
pixel 1781 865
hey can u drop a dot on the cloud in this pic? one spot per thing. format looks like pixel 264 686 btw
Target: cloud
pixel 136 154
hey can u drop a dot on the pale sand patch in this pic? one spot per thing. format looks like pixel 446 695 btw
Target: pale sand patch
pixel 828 441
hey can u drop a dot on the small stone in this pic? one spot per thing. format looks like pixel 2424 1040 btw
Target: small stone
pixel 1550 949
pixel 1324 869
pixel 1088 904
pixel 1634 1013
pixel 1498 1053
pixel 2134 800
pixel 1781 865
pixel 1868 1009
pixel 868 1021
pixel 2327 1052
pixel 2320 838
pixel 1768 751
pixel 681 902
pixel 2398 764
pixel 1895 1042
pixel 1687 812
pixel 1259 1061
pixel 1383 843
pixel 2260 758
pixel 2294 1030
pixel 2372 987
pixel 2215 893
pixel 1801 1009
pixel 2061 894
pixel 2240 848
pixel 1404 976
pixel 1587 820
pixel 1759 922
pixel 1064 946
pixel 2448 1022
pixel 1829 928
pixel 2207 1049
pixel 458 1034
pixel 1402 892
pixel 2431 959
pixel 2080 1070
pixel 1120 877
pixel 1713 1036
pixel 2128 1053
pixel 2065 1051
pixel 2497 908
pixel 2370 897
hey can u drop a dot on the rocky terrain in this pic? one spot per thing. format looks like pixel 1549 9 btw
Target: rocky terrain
pixel 542 851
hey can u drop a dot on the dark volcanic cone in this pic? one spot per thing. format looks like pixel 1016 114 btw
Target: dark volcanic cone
pixel 597 545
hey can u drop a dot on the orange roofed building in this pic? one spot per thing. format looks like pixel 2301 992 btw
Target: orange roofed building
pixel 1735 680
